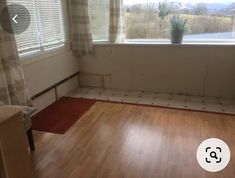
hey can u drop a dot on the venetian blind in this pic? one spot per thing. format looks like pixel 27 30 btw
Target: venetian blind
pixel 46 29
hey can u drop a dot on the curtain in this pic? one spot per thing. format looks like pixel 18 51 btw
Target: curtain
pixel 115 21
pixel 12 85
pixel 81 35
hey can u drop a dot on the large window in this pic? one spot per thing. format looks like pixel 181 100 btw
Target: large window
pixel 207 21
pixel 211 21
pixel 46 30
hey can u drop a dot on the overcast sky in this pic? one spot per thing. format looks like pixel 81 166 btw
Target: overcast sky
pixel 131 2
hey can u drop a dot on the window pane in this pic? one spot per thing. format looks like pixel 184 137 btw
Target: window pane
pixel 50 22
pixel 46 28
pixel 28 40
pixel 99 18
pixel 210 20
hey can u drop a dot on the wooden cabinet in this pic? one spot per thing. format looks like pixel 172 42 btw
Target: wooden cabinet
pixel 14 156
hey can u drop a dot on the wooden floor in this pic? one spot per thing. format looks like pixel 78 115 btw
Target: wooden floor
pixel 128 141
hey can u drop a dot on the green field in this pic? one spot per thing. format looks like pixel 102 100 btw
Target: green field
pixel 147 25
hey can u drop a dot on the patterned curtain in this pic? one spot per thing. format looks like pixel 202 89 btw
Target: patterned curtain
pixel 115 21
pixel 12 86
pixel 81 35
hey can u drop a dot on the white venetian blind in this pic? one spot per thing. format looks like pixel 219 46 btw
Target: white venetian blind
pixel 99 19
pixel 46 29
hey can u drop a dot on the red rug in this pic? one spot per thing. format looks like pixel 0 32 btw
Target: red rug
pixel 61 115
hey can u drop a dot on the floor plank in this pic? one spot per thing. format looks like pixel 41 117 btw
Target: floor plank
pixel 119 140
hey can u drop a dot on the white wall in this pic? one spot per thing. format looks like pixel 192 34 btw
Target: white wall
pixel 45 71
pixel 189 69
pixel 50 97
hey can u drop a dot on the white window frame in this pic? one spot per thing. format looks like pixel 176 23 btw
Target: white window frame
pixel 206 42
pixel 64 47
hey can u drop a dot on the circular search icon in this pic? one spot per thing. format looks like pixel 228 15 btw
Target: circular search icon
pixel 213 155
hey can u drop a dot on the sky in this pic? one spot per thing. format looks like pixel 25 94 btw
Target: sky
pixel 131 2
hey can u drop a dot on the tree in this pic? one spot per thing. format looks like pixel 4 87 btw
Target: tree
pixel 137 8
pixel 149 11
pixel 164 9
pixel 200 9
pixel 150 7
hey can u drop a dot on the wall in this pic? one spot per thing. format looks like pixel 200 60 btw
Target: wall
pixel 189 69
pixel 46 69
pixel 43 72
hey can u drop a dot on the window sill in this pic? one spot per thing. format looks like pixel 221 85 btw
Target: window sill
pixel 40 56
pixel 166 43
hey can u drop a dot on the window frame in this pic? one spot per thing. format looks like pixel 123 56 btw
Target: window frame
pixel 202 42
pixel 184 42
pixel 64 47
pixel 164 43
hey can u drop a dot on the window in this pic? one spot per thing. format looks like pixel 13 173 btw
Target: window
pixel 99 18
pixel 46 30
pixel 207 21
pixel 211 21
